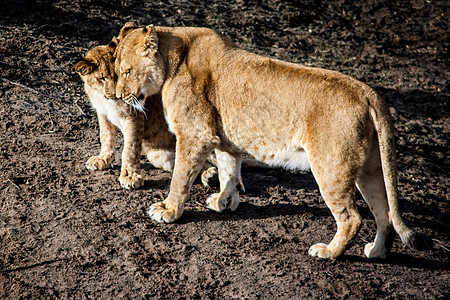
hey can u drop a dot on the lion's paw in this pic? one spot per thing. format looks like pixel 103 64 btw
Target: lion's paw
pixel 162 214
pixel 208 174
pixel 320 250
pixel 371 250
pixel 233 205
pixel 97 163
pixel 131 181
pixel 214 202
pixel 219 203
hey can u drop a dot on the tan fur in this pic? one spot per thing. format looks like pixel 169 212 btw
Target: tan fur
pixel 217 96
pixel 143 127
pixel 142 130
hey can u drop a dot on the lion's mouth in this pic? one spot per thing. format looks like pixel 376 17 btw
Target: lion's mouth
pixel 137 103
pixel 110 96
pixel 130 98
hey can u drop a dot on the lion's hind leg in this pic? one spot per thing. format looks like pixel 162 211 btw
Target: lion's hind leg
pixel 371 185
pixel 229 167
pixel 161 158
pixel 336 180
pixel 343 208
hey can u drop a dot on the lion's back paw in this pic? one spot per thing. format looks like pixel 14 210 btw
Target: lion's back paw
pixel 373 250
pixel 214 202
pixel 320 250
pixel 218 202
pixel 208 174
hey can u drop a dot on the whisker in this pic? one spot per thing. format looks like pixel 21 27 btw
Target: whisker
pixel 138 105
pixel 135 104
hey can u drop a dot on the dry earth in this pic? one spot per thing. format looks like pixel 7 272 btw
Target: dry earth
pixel 69 233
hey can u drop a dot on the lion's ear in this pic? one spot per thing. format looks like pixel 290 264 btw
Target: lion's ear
pixel 127 28
pixel 84 67
pixel 150 40
pixel 112 45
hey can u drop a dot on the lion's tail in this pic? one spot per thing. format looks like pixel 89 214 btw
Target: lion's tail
pixel 379 112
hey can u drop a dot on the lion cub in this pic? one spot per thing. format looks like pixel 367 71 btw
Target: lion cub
pixel 144 128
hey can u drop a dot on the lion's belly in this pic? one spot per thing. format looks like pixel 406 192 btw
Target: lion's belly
pixel 292 159
pixel 269 145
pixel 270 133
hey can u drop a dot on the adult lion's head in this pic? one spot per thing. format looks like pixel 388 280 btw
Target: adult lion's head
pixel 139 66
pixel 97 69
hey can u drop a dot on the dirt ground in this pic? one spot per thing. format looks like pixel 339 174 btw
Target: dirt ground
pixel 70 233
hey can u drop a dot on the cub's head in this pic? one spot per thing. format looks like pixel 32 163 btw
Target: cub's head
pixel 96 69
pixel 139 66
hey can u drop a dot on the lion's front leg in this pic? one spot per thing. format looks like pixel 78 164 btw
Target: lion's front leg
pixel 107 142
pixel 229 167
pixel 190 156
pixel 130 177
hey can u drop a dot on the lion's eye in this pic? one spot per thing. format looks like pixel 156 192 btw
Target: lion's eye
pixel 101 79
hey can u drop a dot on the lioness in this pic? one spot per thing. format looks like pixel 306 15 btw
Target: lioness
pixel 217 96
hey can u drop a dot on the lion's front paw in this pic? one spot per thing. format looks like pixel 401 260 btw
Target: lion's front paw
pixel 208 174
pixel 131 180
pixel 163 213
pixel 373 250
pixel 98 163
pixel 320 250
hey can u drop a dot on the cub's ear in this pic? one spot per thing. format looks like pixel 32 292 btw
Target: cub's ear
pixel 84 67
pixel 150 40
pixel 126 29
pixel 112 45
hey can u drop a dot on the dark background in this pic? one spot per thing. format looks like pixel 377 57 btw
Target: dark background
pixel 66 232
